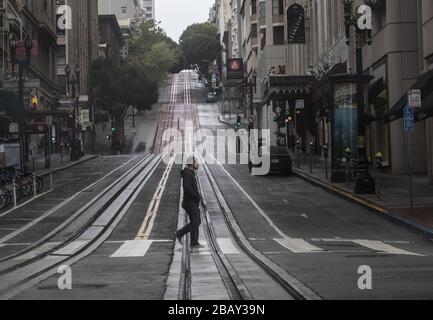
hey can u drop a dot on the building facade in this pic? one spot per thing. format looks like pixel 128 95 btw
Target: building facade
pixel 78 40
pixel 293 48
pixel 36 21
pixel 149 9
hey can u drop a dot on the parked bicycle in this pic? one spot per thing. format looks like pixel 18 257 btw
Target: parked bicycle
pixel 22 182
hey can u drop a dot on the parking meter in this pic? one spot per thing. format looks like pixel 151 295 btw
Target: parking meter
pixel 311 156
pixel 325 150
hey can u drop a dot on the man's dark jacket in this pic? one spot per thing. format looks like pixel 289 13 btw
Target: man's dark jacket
pixel 190 188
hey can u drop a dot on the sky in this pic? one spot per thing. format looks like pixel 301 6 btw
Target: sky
pixel 176 15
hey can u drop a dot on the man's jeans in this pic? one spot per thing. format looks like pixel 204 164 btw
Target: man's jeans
pixel 193 211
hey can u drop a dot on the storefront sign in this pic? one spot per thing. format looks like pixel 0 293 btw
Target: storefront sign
pixel 85 119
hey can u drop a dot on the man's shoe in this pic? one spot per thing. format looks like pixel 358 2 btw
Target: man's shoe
pixel 179 238
pixel 198 246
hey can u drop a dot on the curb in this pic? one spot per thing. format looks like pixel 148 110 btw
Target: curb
pixel 47 172
pixel 367 204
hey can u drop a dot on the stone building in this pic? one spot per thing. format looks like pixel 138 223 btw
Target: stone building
pixel 35 20
pixel 78 41
pixel 294 46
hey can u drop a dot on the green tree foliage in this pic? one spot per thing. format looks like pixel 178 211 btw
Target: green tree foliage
pixel 200 42
pixel 151 48
pixel 116 87
pixel 136 82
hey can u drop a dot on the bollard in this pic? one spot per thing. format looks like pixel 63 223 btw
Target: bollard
pixel 311 156
pixel 14 191
pixel 51 181
pixel 35 191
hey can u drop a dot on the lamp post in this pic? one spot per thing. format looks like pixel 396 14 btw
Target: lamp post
pixel 364 182
pixel 22 63
pixel 73 82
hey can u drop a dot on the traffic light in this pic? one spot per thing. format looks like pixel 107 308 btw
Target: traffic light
pixel 35 102
pixel 239 122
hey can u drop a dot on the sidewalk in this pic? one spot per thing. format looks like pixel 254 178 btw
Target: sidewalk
pixel 394 198
pixel 57 163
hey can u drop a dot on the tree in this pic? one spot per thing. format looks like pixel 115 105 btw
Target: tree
pixel 151 48
pixel 199 42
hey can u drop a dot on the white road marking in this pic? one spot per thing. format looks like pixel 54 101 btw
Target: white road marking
pixel 133 249
pixel 227 247
pixel 71 248
pixel 152 211
pixel 298 245
pixel 375 245
pixel 380 246
pixel 304 216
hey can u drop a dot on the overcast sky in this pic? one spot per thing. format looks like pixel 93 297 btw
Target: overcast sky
pixel 176 15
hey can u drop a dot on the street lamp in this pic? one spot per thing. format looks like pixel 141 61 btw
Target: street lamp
pixel 73 82
pixel 364 182
pixel 22 63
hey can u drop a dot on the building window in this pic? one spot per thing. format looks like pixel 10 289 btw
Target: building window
pixel 253 6
pixel 277 7
pixel 124 10
pixel 254 30
pixel 379 16
pixel 262 9
pixel 263 38
pixel 279 35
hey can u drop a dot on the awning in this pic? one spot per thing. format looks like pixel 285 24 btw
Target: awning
pixel 278 87
pixel 426 111
pixel 424 83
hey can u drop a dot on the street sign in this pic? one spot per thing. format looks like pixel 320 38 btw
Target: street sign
pixel 409 119
pixel 414 99
pixel 13 128
pixel 235 69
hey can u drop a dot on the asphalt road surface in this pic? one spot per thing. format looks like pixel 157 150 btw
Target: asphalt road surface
pixel 110 224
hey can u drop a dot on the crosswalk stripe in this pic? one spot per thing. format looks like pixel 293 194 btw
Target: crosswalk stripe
pixel 298 245
pixel 133 249
pixel 380 246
